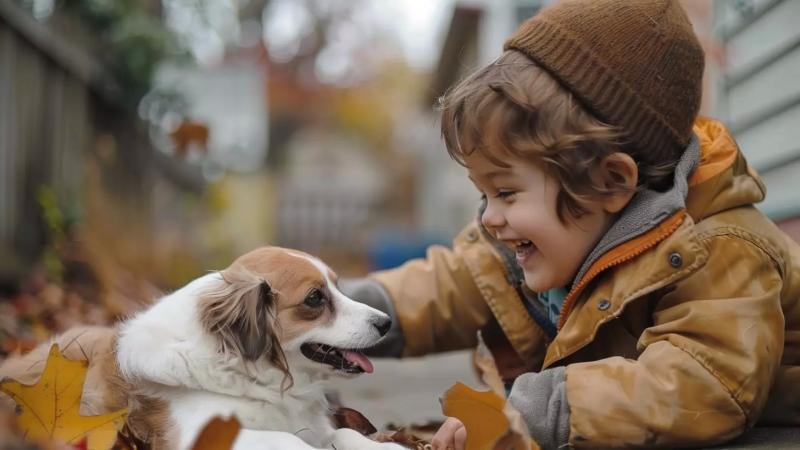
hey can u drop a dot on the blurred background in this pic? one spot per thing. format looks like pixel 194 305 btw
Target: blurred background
pixel 144 142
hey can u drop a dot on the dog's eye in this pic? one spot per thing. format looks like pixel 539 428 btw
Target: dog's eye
pixel 315 299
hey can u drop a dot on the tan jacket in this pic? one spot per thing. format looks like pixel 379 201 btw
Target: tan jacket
pixel 685 335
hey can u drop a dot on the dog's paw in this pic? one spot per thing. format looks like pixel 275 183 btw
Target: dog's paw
pixel 347 439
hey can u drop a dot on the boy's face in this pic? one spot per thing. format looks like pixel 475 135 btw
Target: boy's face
pixel 521 213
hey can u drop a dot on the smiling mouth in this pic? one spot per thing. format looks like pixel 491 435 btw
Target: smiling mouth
pixel 523 249
pixel 343 360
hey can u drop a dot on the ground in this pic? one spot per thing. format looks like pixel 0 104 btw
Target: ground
pixel 407 392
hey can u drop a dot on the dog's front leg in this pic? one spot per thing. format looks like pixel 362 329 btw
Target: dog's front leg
pixel 347 439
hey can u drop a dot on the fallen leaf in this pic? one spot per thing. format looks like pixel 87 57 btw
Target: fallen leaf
pixel 49 408
pixel 218 434
pixel 403 438
pixel 491 424
pixel 350 418
pixel 345 417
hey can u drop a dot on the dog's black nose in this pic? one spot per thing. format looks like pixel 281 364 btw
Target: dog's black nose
pixel 382 325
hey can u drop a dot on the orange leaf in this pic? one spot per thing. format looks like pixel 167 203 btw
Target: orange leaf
pixel 218 434
pixel 49 409
pixel 490 423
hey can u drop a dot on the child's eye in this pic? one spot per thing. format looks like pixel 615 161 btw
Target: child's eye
pixel 506 195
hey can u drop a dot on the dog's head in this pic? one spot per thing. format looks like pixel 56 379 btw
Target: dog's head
pixel 284 305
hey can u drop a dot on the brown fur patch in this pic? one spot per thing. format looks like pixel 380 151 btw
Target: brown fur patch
pixel 241 313
pixel 149 422
pixel 292 278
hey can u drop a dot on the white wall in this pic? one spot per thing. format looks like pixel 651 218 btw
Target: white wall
pixel 755 84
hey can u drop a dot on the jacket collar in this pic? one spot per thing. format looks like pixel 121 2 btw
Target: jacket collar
pixel 647 209
pixel 648 219
pixel 722 180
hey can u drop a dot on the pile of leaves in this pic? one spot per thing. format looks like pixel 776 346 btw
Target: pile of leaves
pixel 42 309
pixel 71 285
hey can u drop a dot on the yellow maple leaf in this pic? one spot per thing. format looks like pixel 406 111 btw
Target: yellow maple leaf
pixel 491 423
pixel 218 434
pixel 49 409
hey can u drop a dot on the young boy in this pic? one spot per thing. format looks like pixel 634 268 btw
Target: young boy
pixel 629 290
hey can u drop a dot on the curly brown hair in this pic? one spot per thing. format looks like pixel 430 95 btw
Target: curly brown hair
pixel 512 108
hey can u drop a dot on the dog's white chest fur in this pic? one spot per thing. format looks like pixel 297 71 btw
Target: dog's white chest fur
pixel 302 415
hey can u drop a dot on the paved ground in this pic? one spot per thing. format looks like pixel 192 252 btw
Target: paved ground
pixel 407 391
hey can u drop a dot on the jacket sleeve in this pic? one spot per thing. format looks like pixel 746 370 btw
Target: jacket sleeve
pixel 706 365
pixel 435 300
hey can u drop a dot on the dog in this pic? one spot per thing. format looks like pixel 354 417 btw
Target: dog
pixel 256 341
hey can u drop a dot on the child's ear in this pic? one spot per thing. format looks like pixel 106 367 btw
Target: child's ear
pixel 620 173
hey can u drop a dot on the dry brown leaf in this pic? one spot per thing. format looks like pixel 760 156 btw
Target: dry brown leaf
pixel 345 417
pixel 490 423
pixel 402 437
pixel 218 434
pixel 49 408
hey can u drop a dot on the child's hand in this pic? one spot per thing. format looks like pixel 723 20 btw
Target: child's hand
pixel 451 435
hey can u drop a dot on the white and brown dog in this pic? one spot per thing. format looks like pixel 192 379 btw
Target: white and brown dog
pixel 254 341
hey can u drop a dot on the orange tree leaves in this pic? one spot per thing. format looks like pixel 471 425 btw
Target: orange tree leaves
pixel 49 409
pixel 491 424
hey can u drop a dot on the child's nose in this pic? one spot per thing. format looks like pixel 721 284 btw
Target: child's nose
pixel 491 218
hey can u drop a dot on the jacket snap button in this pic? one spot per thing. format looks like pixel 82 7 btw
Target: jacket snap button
pixel 675 260
pixel 603 304
pixel 472 236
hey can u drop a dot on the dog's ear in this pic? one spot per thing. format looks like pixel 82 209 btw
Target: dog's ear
pixel 250 329
pixel 242 315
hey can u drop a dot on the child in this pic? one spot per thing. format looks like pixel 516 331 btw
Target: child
pixel 629 290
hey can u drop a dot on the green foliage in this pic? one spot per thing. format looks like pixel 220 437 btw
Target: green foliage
pixel 55 223
pixel 136 40
pixel 138 44
pixel 132 39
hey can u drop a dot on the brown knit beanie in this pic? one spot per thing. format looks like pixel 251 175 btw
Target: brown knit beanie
pixel 635 64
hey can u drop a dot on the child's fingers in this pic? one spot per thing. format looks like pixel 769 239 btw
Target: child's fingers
pixel 460 437
pixel 445 437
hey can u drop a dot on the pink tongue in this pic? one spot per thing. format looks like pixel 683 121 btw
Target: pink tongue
pixel 358 358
